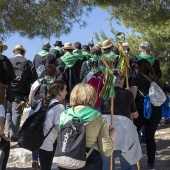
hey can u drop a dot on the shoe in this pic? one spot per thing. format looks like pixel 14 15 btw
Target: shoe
pixel 35 166
pixel 151 167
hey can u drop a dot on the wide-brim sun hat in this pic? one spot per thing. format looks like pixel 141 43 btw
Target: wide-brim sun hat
pixel 4 47
pixel 107 44
pixel 68 46
pixel 19 47
pixel 58 43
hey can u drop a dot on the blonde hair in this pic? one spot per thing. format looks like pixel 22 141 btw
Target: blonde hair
pixel 83 94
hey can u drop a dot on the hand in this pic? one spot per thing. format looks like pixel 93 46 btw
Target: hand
pixel 112 132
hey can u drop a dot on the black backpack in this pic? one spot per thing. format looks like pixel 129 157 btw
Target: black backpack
pixel 3 69
pixel 39 94
pixel 22 71
pixel 70 152
pixel 31 135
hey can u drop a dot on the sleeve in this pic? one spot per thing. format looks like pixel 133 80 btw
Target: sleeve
pixel 134 81
pixel 33 76
pixel 84 70
pixel 156 68
pixel 10 70
pixel 2 111
pixel 58 110
pixel 133 105
pixel 105 143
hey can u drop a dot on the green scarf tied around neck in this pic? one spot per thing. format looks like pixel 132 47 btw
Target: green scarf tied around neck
pixel 148 57
pixel 47 80
pixel 69 60
pixel 86 53
pixel 109 56
pixel 79 54
pixel 58 48
pixel 43 53
pixel 85 114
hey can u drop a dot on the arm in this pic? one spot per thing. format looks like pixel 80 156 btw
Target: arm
pixel 134 90
pixel 105 142
pixel 57 128
pixel 30 95
pixel 1 126
pixel 134 115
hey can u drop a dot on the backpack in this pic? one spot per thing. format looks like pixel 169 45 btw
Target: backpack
pixel 71 146
pixel 22 71
pixel 96 81
pixel 39 94
pixel 31 135
pixel 3 69
pixel 156 94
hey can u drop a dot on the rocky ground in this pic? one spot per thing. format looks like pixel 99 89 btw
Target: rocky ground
pixel 21 159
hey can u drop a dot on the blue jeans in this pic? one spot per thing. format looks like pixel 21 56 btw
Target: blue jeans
pixel 123 163
pixel 34 153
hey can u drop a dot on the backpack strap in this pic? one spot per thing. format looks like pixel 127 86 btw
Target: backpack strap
pixel 147 78
pixel 91 149
pixel 50 107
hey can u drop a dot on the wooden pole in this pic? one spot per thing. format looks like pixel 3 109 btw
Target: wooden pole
pixel 112 111
pixel 112 126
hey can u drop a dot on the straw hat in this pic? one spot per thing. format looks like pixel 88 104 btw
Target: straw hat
pixel 68 46
pixel 4 47
pixel 107 44
pixel 99 44
pixel 19 47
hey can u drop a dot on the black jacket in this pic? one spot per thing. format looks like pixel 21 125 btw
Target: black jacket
pixel 57 54
pixel 69 75
pixel 30 79
pixel 48 59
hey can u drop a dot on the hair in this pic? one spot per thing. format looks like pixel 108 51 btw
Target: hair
pixel 83 94
pixel 119 76
pixel 96 51
pixel 77 45
pixel 69 50
pixel 22 52
pixel 145 68
pixel 54 89
pixel 91 44
pixel 50 70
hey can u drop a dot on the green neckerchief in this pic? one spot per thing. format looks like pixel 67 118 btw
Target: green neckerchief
pixel 46 80
pixel 109 56
pixel 94 58
pixel 98 69
pixel 43 53
pixel 79 54
pixel 86 53
pixel 146 57
pixel 58 48
pixel 69 60
pixel 86 114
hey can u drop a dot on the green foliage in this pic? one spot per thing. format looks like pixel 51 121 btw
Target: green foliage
pixel 42 18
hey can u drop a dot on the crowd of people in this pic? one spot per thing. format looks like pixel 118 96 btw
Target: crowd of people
pixel 68 69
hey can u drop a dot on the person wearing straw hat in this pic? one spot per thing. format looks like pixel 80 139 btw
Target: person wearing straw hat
pixel 68 67
pixel 25 76
pixel 108 55
pixel 42 59
pixel 57 51
pixel 6 72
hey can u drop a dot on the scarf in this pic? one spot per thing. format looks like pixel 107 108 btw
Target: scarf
pixel 85 114
pixel 47 80
pixel 58 48
pixel 94 58
pixel 146 57
pixel 79 54
pixel 43 53
pixel 87 54
pixel 109 56
pixel 69 60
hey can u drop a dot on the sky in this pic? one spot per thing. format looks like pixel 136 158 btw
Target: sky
pixel 96 21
